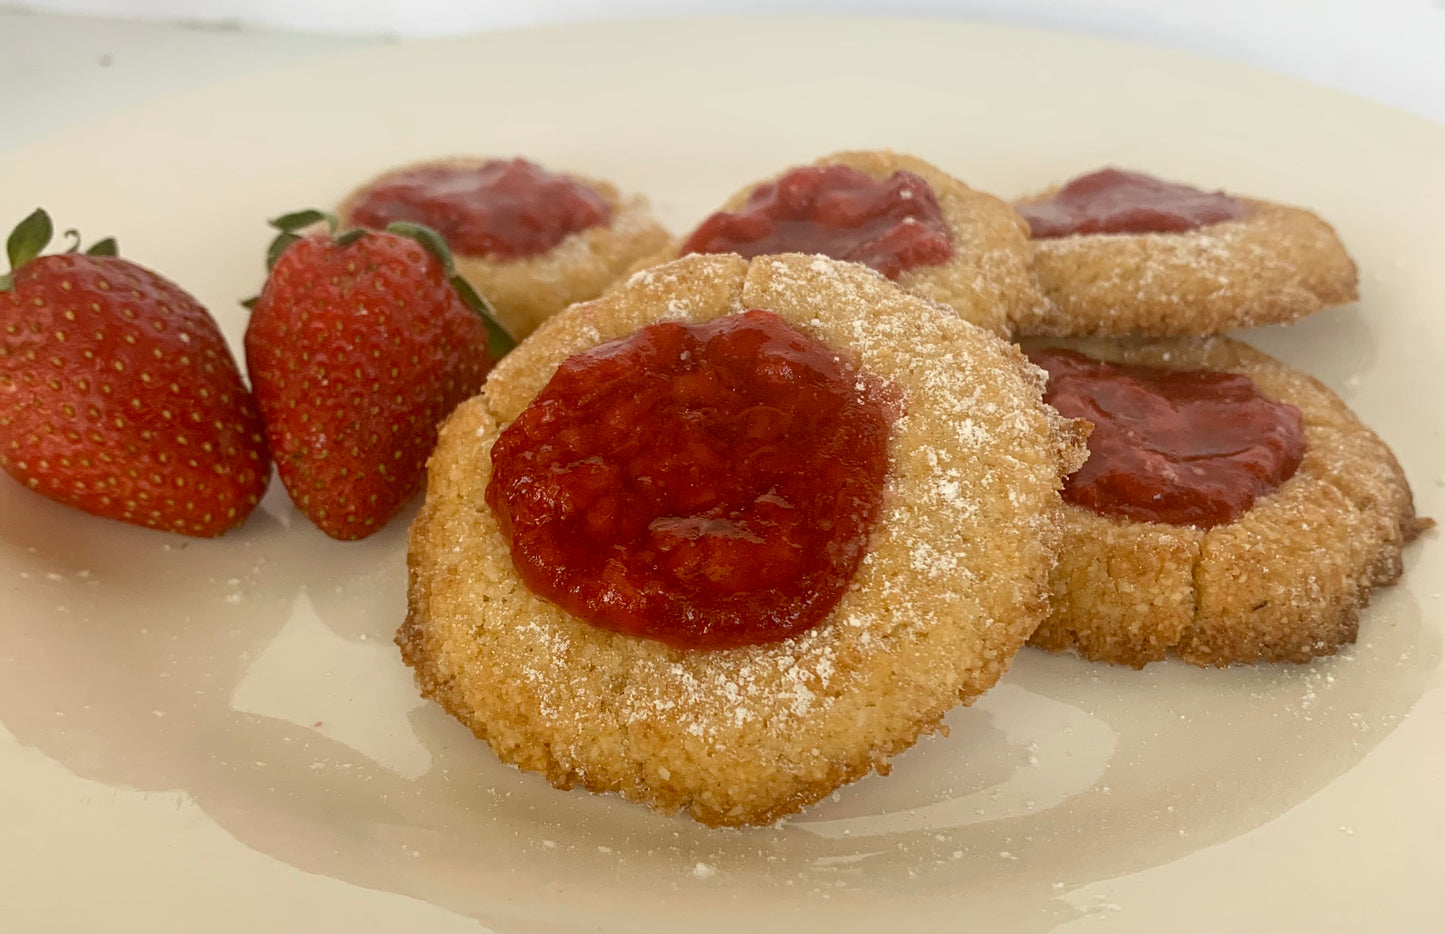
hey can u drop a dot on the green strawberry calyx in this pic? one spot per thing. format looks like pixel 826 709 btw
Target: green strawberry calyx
pixel 289 229
pixel 499 339
pixel 30 238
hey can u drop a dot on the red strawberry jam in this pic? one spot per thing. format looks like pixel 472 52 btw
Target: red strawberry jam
pixel 505 209
pixel 1186 447
pixel 707 485
pixel 891 225
pixel 1112 201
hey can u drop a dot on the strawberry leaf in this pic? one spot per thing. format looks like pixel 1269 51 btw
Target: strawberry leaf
pixel 499 339
pixel 106 247
pixel 349 237
pixel 300 220
pixel 427 237
pixel 29 238
pixel 277 247
pixel 289 224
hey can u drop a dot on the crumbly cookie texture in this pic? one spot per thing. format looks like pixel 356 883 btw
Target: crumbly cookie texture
pixel 955 579
pixel 989 280
pixel 1278 264
pixel 1284 582
pixel 525 292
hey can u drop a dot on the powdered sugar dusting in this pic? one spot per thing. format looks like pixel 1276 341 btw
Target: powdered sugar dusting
pixel 1275 265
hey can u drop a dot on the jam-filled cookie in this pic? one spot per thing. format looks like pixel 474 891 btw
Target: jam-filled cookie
pixel 899 215
pixel 530 240
pixel 1232 510
pixel 735 534
pixel 1123 253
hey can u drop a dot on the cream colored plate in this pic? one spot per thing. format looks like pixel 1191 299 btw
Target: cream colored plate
pixel 219 735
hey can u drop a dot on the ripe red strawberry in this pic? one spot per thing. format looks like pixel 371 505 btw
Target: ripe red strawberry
pixel 358 347
pixel 117 392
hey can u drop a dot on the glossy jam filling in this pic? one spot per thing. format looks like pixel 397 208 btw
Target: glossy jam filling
pixel 706 485
pixel 506 209
pixel 1113 201
pixel 892 225
pixel 1185 447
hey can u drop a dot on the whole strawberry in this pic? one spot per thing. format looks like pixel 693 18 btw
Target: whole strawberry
pixel 117 393
pixel 358 347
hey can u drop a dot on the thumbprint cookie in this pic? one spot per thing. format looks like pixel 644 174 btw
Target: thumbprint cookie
pixel 915 224
pixel 735 534
pixel 1123 253
pixel 530 240
pixel 1232 510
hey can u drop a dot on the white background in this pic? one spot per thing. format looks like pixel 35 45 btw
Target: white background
pixel 1392 51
